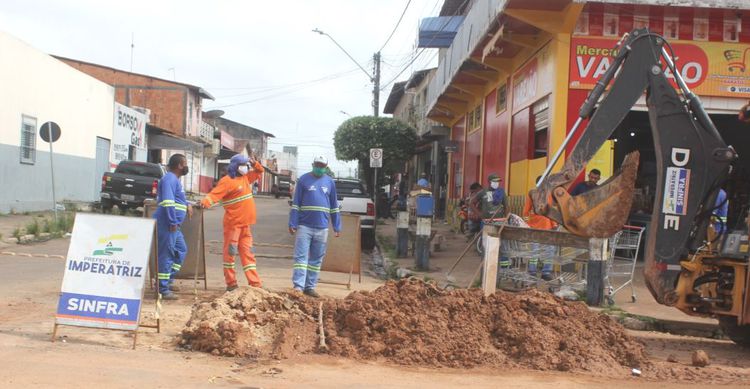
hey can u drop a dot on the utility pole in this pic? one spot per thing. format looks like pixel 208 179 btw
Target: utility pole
pixel 376 84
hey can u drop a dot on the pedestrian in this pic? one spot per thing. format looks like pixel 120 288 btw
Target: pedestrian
pixel 423 183
pixel 170 213
pixel 234 191
pixel 315 201
pixel 586 186
pixel 474 208
pixel 541 252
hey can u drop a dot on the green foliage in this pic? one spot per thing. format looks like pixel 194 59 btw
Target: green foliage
pixel 355 137
pixel 33 228
pixel 17 233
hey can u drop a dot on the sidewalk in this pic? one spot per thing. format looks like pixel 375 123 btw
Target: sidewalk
pixel 454 243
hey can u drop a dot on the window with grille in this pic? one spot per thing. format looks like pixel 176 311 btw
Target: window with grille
pixel 501 99
pixel 28 140
pixel 540 110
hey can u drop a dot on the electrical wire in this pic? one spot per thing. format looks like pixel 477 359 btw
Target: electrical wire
pixel 271 87
pixel 396 26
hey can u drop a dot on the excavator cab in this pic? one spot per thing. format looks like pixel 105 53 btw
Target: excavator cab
pixel 684 267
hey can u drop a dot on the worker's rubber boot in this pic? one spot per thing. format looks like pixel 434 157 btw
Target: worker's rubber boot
pixel 231 288
pixel 311 293
pixel 169 296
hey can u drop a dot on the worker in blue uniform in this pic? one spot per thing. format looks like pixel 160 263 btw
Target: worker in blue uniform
pixel 720 213
pixel 314 202
pixel 170 213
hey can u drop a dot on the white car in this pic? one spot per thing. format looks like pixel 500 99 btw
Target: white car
pixel 353 198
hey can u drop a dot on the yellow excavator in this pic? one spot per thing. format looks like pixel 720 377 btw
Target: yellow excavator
pixel 688 265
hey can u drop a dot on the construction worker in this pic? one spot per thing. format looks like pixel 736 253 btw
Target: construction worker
pixel 720 213
pixel 169 215
pixel 539 222
pixel 234 191
pixel 314 202
pixel 495 206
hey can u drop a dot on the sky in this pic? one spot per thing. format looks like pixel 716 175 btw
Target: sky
pixel 260 60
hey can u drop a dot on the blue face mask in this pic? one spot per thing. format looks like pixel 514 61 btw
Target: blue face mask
pixel 318 171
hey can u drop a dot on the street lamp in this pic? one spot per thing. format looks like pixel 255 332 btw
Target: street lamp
pixel 375 79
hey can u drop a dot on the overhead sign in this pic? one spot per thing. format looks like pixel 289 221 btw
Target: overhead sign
pixel 376 158
pixel 105 272
pixel 709 68
pixel 129 130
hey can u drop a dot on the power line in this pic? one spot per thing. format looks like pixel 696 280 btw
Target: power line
pixel 269 87
pixel 396 26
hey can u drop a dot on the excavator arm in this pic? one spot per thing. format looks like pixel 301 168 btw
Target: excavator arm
pixel 691 157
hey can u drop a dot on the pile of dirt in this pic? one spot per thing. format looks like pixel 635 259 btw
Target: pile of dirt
pixel 414 323
pixel 250 322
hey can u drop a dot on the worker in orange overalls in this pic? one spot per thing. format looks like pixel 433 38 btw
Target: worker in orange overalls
pixel 539 222
pixel 235 192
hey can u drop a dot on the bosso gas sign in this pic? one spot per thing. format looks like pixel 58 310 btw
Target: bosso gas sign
pixel 709 68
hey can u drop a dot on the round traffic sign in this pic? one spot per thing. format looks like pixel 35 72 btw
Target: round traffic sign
pixel 46 129
pixel 376 153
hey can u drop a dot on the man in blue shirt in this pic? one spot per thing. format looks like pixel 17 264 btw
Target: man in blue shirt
pixel 423 183
pixel 720 213
pixel 586 186
pixel 314 202
pixel 169 215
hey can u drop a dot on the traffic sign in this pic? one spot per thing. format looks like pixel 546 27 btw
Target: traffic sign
pixel 376 158
pixel 47 129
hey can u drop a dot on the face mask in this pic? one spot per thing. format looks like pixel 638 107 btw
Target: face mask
pixel 185 171
pixel 318 171
pixel 242 169
pixel 494 184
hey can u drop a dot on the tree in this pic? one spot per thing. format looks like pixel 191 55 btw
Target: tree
pixel 355 137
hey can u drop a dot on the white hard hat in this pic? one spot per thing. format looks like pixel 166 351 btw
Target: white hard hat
pixel 321 159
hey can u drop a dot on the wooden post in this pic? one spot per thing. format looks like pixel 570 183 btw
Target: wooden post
pixel 595 272
pixel 422 250
pixel 402 234
pixel 491 254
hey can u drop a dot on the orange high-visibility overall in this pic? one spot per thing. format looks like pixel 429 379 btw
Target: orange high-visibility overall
pixel 236 195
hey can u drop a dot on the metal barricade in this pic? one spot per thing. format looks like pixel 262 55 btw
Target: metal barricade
pixel 624 246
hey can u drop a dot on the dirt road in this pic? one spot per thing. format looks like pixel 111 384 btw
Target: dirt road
pixel 96 358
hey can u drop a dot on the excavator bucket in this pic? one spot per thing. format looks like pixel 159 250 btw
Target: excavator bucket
pixel 602 211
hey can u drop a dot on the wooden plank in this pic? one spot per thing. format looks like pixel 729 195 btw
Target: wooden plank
pixel 557 238
pixel 491 254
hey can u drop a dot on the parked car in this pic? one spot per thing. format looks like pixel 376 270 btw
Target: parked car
pixel 353 198
pixel 283 186
pixel 130 185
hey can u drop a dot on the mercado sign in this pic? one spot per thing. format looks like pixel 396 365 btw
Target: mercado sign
pixel 709 68
pixel 105 272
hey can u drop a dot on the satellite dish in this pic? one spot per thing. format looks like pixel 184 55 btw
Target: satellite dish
pixel 213 114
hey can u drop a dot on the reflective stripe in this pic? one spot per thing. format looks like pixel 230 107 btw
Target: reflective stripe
pixel 314 208
pixel 334 210
pixel 176 266
pixel 173 204
pixel 229 266
pixel 165 203
pixel 249 267
pixel 164 276
pixel 295 207
pixel 313 268
pixel 237 199
pixel 180 207
pixel 301 266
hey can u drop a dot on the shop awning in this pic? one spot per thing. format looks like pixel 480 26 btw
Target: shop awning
pixel 171 142
pixel 439 31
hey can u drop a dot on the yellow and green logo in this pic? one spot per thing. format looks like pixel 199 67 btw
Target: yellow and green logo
pixel 109 248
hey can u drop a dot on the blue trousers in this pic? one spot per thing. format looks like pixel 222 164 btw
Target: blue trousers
pixel 309 250
pixel 547 252
pixel 171 252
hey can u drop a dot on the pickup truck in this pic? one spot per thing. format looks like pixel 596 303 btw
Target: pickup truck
pixel 353 198
pixel 131 183
pixel 282 186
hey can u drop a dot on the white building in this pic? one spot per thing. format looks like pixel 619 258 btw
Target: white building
pixel 38 88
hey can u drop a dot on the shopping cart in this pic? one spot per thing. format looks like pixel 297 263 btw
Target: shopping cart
pixel 623 249
pixel 736 59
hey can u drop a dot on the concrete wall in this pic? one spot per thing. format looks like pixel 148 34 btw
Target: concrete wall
pixel 39 86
